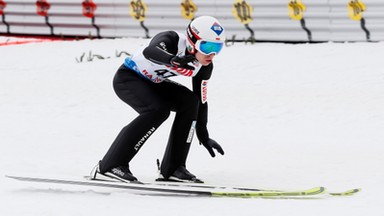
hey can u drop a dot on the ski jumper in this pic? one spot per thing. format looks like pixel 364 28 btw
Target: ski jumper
pixel 142 82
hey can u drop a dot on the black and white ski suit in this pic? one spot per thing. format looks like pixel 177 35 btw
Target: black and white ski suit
pixel 142 82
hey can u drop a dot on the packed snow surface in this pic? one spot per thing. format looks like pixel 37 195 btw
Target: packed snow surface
pixel 288 117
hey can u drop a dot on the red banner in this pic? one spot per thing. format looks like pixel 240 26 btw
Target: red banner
pixel 2 6
pixel 89 8
pixel 42 7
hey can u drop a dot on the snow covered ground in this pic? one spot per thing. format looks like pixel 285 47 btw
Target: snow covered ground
pixel 288 116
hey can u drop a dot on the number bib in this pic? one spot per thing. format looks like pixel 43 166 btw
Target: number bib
pixel 157 72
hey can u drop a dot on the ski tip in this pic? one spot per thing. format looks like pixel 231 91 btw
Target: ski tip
pixel 346 193
pixel 315 191
pixel 322 189
pixel 9 176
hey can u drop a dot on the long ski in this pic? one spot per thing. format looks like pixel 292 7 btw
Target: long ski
pixel 198 185
pixel 236 188
pixel 148 189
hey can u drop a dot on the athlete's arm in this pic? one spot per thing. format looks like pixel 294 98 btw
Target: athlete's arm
pixel 162 48
pixel 200 88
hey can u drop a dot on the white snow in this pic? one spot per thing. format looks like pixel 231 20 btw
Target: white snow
pixel 288 116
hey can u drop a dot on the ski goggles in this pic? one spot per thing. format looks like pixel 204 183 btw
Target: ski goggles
pixel 209 47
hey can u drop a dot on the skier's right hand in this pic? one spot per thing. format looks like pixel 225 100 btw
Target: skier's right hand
pixel 211 144
pixel 182 62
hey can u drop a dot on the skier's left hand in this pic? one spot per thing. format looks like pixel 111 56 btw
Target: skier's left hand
pixel 183 61
pixel 211 144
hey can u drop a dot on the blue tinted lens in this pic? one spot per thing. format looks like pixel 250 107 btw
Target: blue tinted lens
pixel 208 47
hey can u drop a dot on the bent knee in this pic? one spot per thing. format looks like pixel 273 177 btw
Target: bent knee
pixel 161 112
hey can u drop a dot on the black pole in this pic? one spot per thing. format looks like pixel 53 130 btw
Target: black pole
pixel 367 33
pixel 97 27
pixel 252 38
pixel 5 23
pixel 145 29
pixel 309 33
pixel 50 26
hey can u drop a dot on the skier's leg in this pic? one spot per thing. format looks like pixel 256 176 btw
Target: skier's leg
pixel 142 96
pixel 185 103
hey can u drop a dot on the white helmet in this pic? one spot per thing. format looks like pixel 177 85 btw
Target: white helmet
pixel 205 34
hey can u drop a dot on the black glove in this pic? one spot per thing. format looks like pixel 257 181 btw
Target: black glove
pixel 211 144
pixel 182 62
